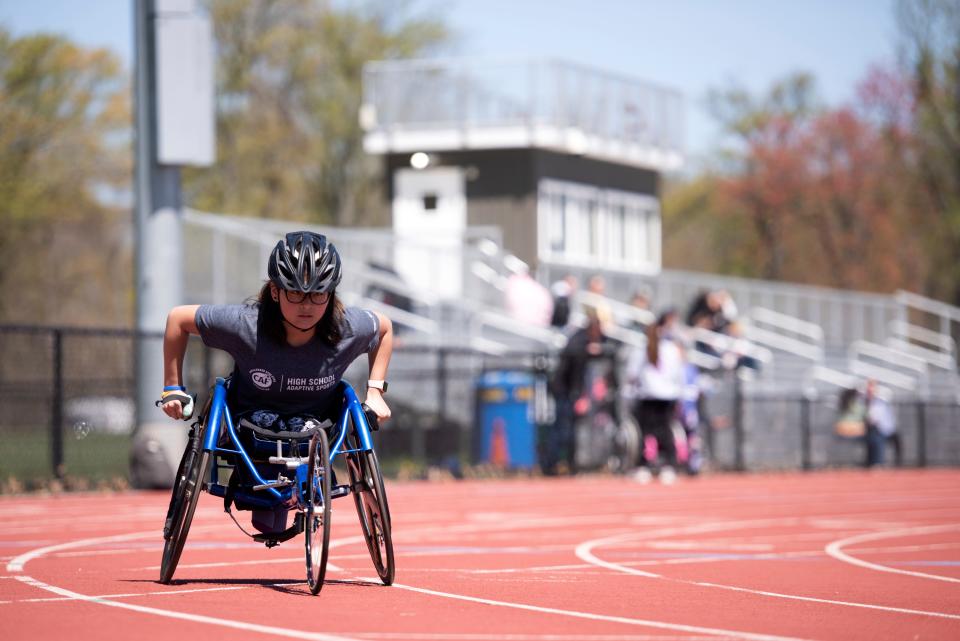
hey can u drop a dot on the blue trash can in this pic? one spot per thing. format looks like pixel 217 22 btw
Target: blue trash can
pixel 505 409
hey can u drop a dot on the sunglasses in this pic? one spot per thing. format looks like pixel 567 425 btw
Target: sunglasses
pixel 316 298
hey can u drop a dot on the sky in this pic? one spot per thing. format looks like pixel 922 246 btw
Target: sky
pixel 689 45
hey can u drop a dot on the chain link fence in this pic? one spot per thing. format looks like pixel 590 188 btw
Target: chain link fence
pixel 67 411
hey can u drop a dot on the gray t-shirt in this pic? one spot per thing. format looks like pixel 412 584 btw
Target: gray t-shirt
pixel 283 378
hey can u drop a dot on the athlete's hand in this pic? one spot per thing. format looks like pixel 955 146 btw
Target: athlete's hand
pixel 173 409
pixel 377 404
pixel 176 404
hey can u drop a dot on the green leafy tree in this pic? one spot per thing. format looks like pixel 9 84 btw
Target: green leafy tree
pixel 64 152
pixel 289 77
pixel 930 50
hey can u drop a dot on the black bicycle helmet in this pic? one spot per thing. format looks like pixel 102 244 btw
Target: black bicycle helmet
pixel 305 262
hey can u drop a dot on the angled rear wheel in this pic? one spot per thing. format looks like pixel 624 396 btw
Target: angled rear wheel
pixel 370 499
pixel 187 487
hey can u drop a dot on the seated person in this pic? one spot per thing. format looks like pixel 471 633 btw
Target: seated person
pixel 291 346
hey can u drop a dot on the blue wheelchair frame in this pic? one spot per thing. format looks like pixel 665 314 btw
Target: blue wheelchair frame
pixel 219 414
pixel 310 491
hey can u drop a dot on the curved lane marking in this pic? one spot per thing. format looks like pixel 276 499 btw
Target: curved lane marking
pixel 751 636
pixel 18 563
pixel 195 618
pixel 584 551
pixel 127 595
pixel 835 549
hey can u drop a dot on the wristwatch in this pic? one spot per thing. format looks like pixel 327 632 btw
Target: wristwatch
pixel 375 384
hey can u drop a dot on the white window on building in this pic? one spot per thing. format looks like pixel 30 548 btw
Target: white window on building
pixel 584 225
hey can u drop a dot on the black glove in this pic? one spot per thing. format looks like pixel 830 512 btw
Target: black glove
pixel 178 393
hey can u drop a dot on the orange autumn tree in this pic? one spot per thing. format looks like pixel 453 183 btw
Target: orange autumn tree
pixel 823 196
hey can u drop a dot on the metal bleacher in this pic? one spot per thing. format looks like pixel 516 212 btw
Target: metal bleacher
pixel 809 342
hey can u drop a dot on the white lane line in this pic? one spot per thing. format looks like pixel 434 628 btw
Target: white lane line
pixel 289 559
pixel 585 552
pixel 17 563
pixel 751 636
pixel 835 549
pixel 127 595
pixel 223 564
pixel 911 548
pixel 184 616
pixel 670 561
pixel 794 597
pixel 440 636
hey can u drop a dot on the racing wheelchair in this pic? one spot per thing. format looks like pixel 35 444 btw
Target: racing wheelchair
pixel 304 484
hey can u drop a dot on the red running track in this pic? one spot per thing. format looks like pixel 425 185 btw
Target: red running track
pixel 833 555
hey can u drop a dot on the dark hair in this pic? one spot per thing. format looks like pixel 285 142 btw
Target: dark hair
pixel 271 318
pixel 653 344
pixel 848 397
pixel 655 331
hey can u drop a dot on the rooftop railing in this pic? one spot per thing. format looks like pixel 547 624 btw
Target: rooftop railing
pixel 427 105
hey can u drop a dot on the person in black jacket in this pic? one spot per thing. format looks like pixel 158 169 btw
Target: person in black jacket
pixel 568 386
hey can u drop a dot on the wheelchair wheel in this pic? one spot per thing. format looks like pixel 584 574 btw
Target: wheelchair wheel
pixel 370 499
pixel 183 502
pixel 316 529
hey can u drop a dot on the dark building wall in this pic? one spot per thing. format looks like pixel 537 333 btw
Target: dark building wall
pixel 516 216
pixel 516 172
pixel 501 186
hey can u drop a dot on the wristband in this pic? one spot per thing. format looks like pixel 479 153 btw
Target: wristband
pixel 172 388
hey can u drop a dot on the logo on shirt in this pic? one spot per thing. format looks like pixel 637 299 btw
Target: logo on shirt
pixel 262 378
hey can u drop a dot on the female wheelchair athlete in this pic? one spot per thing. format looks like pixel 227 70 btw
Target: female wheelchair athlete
pixel 215 444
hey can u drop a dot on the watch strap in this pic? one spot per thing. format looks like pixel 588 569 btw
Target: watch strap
pixel 378 384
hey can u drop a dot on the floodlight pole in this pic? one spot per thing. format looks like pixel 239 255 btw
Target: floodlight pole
pixel 159 266
pixel 174 127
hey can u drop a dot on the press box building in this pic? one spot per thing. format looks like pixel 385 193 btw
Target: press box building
pixel 565 160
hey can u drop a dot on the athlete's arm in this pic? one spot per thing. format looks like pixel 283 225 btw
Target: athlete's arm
pixel 379 359
pixel 181 322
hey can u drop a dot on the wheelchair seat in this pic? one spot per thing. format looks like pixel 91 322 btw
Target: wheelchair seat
pixel 261 442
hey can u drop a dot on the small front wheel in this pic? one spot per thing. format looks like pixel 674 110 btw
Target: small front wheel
pixel 370 498
pixel 316 524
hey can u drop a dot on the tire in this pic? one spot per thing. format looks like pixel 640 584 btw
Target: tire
pixel 370 499
pixel 183 502
pixel 316 521
pixel 627 445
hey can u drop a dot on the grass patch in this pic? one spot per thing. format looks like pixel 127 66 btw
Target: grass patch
pixel 28 457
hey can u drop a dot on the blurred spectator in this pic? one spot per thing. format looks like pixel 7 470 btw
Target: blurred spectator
pixel 669 323
pixel 562 292
pixel 728 308
pixel 739 353
pixel 598 308
pixel 690 404
pixel 714 310
pixel 527 300
pixel 658 379
pixel 569 388
pixel 701 311
pixel 869 416
pixel 640 301
pixel 881 427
